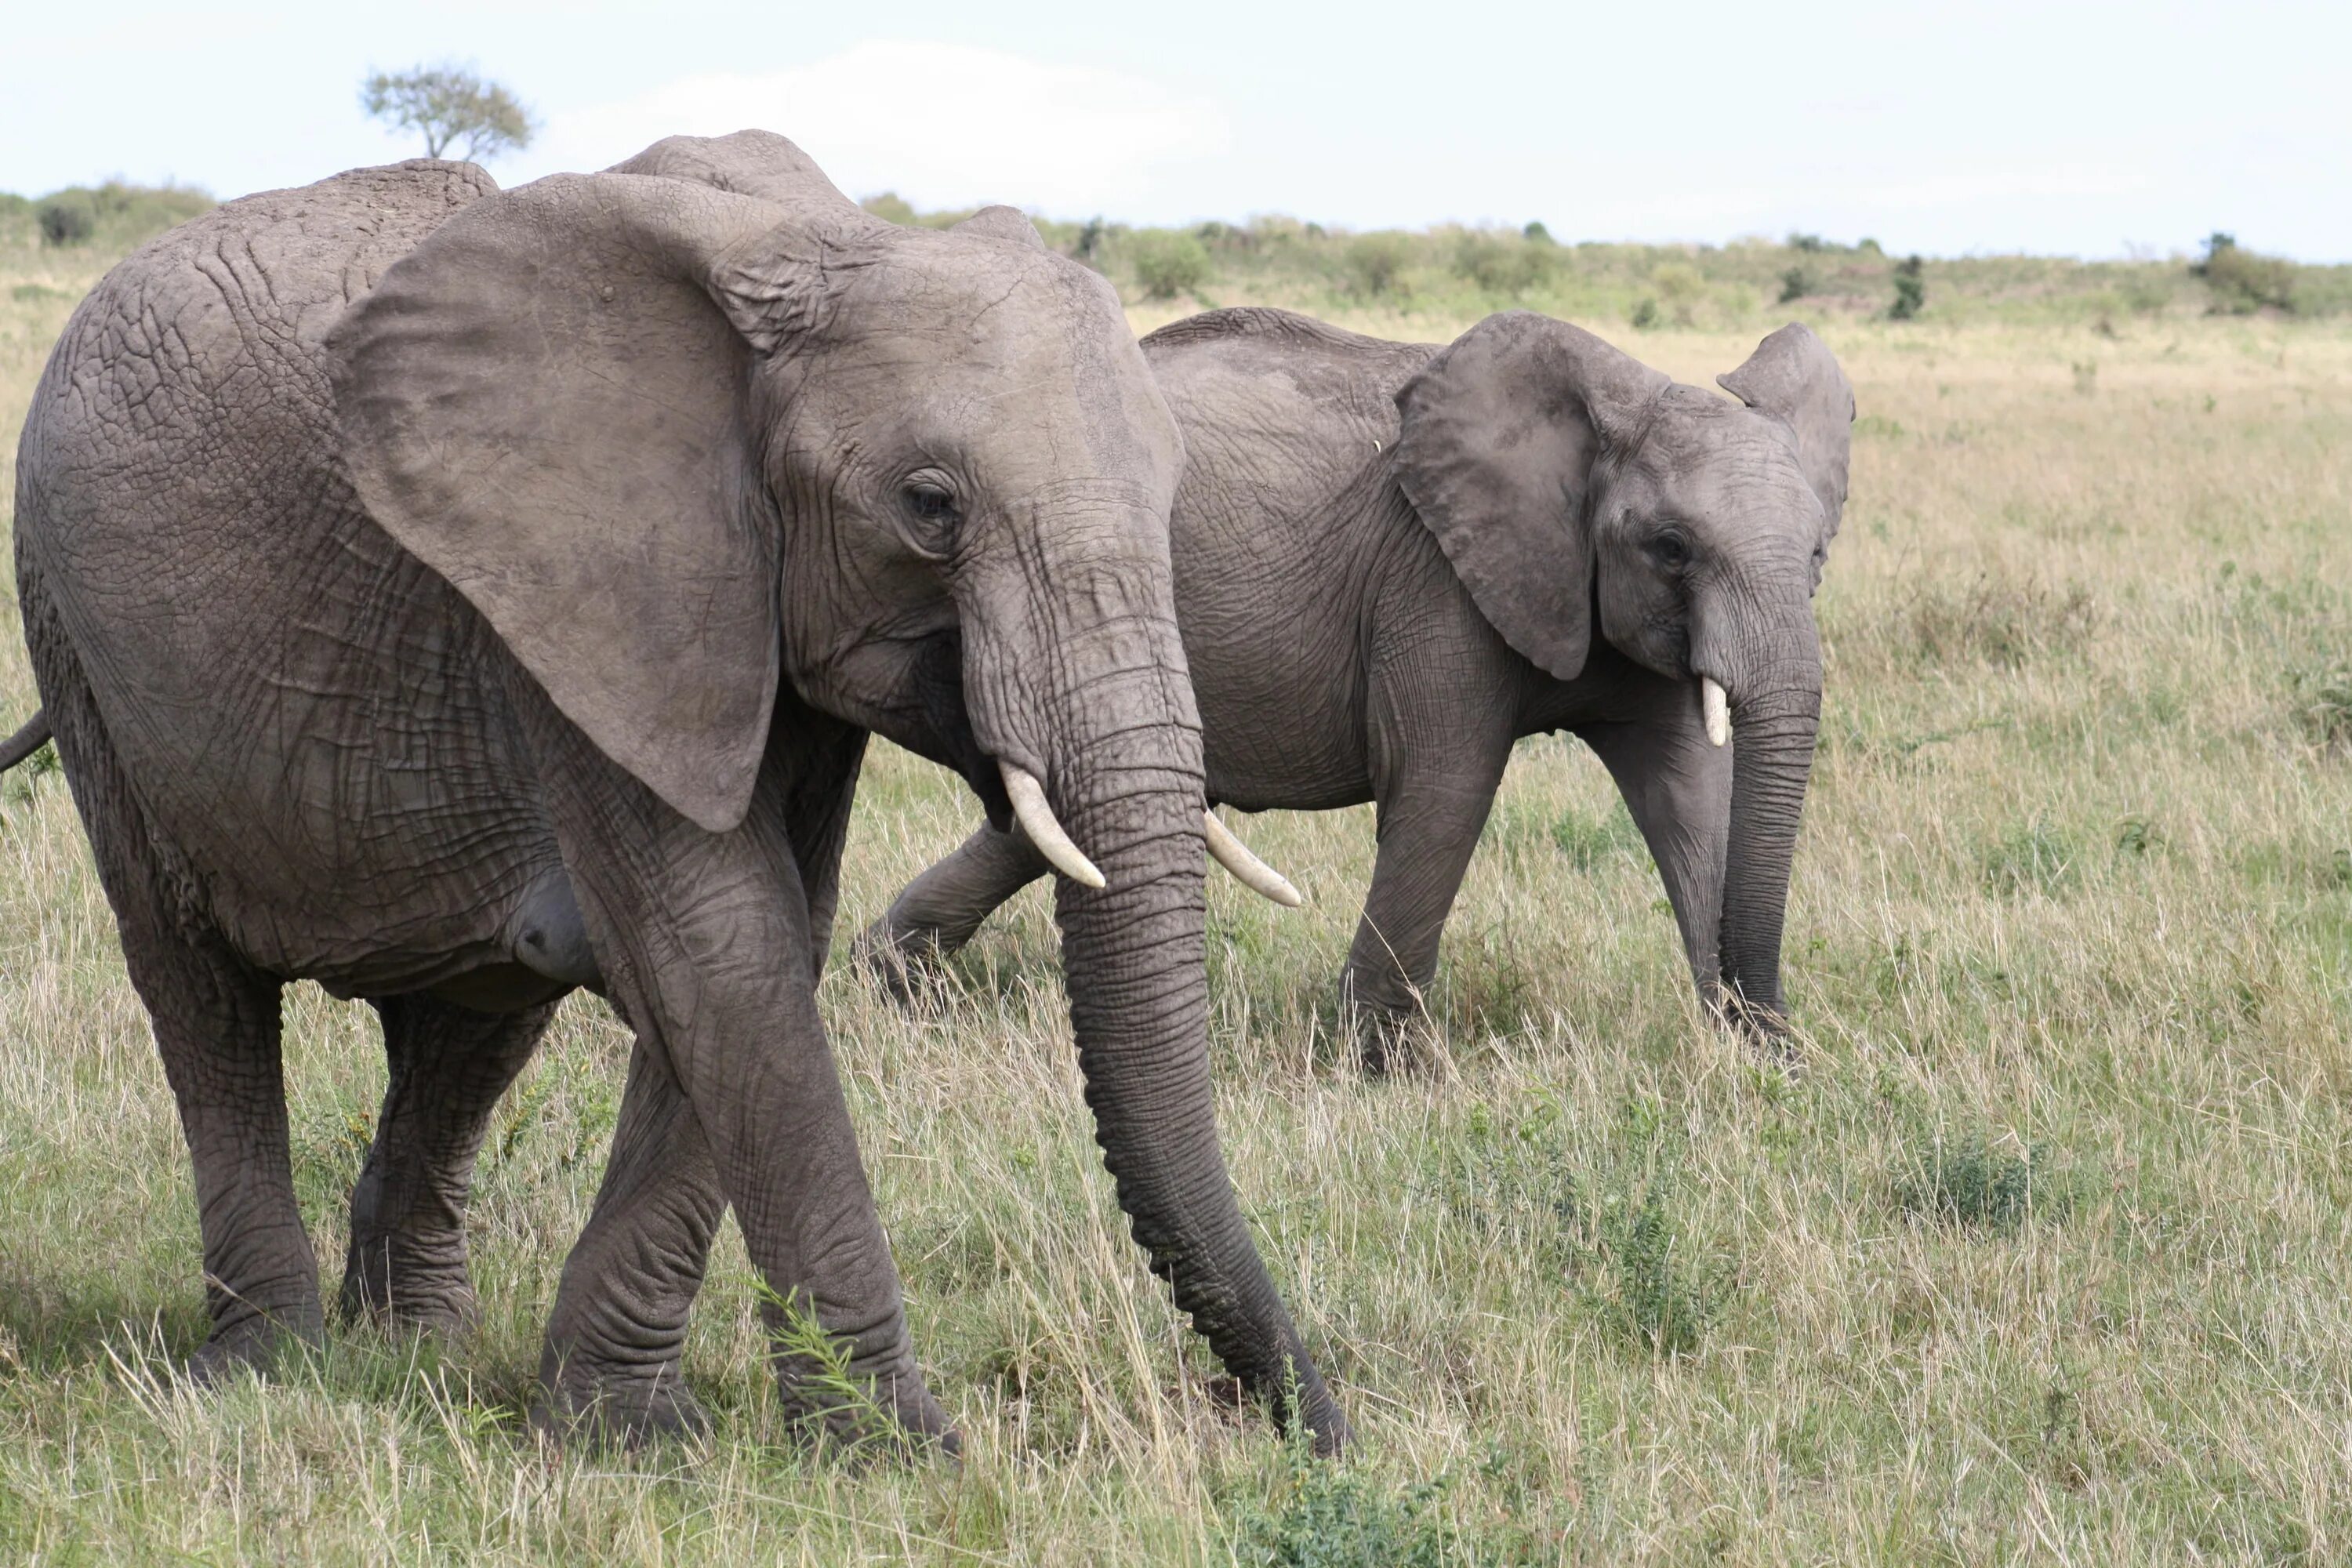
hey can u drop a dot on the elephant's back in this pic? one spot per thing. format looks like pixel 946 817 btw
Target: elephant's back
pixel 183 509
pixel 1277 537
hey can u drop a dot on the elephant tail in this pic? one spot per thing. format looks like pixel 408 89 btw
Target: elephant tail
pixel 25 741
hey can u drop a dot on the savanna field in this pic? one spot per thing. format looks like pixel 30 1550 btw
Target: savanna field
pixel 2042 1251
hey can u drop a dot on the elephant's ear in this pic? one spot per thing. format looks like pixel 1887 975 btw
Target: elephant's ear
pixel 1500 435
pixel 1001 222
pixel 544 404
pixel 1793 377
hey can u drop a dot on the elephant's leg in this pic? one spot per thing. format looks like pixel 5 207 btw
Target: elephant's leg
pixel 688 927
pixel 943 909
pixel 660 1204
pixel 215 1020
pixel 448 1067
pixel 1677 788
pixel 612 1368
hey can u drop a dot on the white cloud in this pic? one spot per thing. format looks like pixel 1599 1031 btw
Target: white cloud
pixel 942 125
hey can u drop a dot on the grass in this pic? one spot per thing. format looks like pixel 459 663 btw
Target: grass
pixel 2043 1255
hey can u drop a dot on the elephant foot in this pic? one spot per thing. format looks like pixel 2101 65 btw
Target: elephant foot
pixel 1386 1039
pixel 580 1408
pixel 888 1415
pixel 258 1343
pixel 394 1283
pixel 910 967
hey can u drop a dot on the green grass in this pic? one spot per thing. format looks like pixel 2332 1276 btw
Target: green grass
pixel 2043 1254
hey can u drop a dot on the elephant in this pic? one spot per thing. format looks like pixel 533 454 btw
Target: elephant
pixel 1393 561
pixel 460 597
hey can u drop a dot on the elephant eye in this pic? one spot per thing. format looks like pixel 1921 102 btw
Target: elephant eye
pixel 1670 548
pixel 933 508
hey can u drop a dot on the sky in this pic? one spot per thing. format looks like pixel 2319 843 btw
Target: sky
pixel 2093 130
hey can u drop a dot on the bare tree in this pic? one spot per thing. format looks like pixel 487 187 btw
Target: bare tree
pixel 452 107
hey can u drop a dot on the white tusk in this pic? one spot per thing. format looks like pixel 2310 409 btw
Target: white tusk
pixel 1717 709
pixel 1247 868
pixel 1036 820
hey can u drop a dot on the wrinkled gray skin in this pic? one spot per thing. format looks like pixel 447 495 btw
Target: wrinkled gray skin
pixel 459 597
pixel 1387 560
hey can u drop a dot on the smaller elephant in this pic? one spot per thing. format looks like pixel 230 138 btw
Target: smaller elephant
pixel 1392 561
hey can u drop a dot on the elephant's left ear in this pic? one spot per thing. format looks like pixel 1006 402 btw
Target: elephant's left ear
pixel 1793 377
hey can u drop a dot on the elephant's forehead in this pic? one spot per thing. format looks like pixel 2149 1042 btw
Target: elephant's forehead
pixel 1700 440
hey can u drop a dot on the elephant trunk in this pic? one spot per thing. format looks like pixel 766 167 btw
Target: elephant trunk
pixel 1776 704
pixel 1118 744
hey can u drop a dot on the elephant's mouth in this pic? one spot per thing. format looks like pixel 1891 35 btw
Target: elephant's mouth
pixel 937 684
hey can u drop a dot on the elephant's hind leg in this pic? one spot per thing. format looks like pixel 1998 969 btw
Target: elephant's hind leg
pixel 215 1019
pixel 448 1067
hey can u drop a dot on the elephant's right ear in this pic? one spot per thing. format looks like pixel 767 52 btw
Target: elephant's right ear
pixel 546 403
pixel 1500 435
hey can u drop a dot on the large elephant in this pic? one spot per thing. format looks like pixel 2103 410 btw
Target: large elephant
pixel 459 597
pixel 1390 564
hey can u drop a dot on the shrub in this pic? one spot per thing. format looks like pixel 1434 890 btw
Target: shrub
pixel 1662 1301
pixel 69 218
pixel 1504 264
pixel 1972 1180
pixel 2034 858
pixel 1910 289
pixel 2243 283
pixel 1536 233
pixel 1326 1515
pixel 1796 283
pixel 1376 263
pixel 890 207
pixel 1644 316
pixel 1809 243
pixel 1168 264
pixel 1678 286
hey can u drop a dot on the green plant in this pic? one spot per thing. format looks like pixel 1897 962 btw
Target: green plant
pixel 1910 289
pixel 890 207
pixel 1375 263
pixel 449 106
pixel 1328 1515
pixel 1679 286
pixel 1536 233
pixel 69 218
pixel 2035 857
pixel 2242 281
pixel 1588 841
pixel 1644 316
pixel 1665 1298
pixel 1973 1179
pixel 1168 264
pixel 1796 283
pixel 1504 264
pixel 2322 704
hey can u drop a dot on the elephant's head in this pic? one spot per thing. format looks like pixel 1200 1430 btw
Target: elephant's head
pixel 1564 478
pixel 698 424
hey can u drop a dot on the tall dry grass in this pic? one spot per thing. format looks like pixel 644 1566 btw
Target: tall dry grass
pixel 2042 1256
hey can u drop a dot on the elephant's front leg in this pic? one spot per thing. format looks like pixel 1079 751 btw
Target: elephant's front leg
pixel 447 1067
pixel 943 909
pixel 1677 789
pixel 703 940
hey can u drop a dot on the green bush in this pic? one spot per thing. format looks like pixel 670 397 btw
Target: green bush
pixel 1168 264
pixel 1973 1179
pixel 1375 263
pixel 1504 264
pixel 1536 233
pixel 69 218
pixel 1910 289
pixel 890 207
pixel 2243 283
pixel 1678 286
pixel 1796 283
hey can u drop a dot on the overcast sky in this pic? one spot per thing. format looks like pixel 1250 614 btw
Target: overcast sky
pixel 2082 128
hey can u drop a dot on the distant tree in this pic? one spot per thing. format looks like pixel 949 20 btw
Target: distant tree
pixel 452 107
pixel 1910 289
pixel 1536 233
